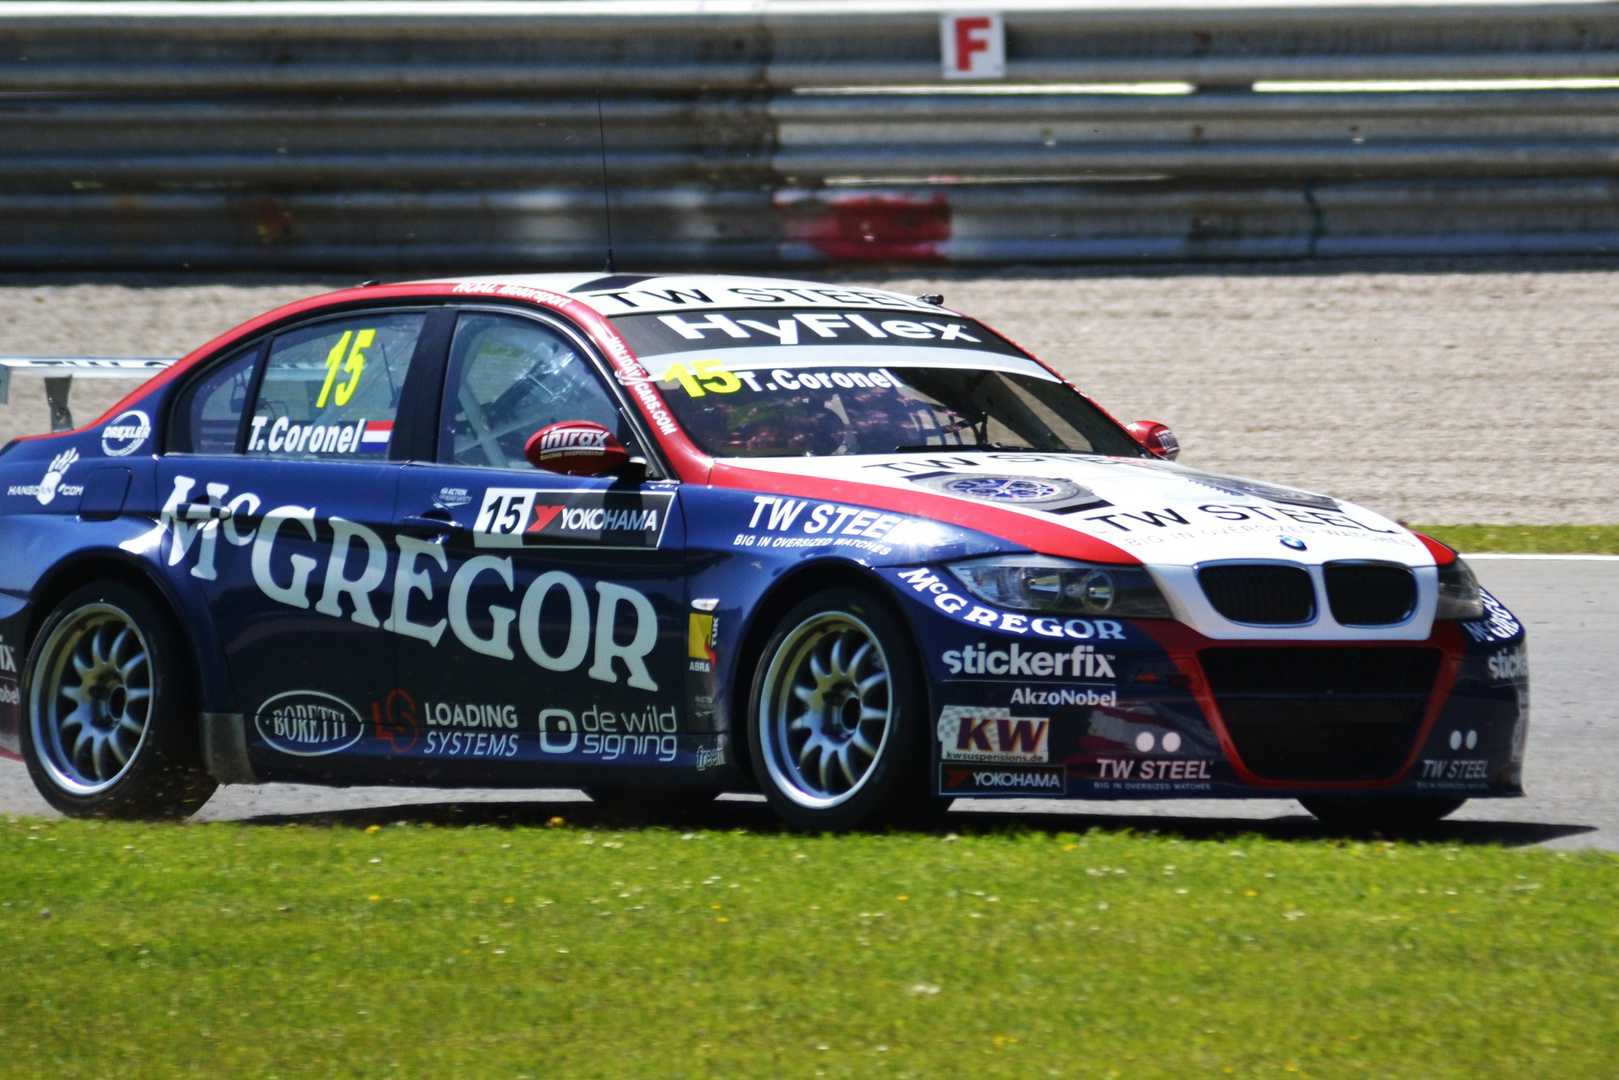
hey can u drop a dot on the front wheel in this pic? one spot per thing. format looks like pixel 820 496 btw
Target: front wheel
pixel 837 716
pixel 1396 813
pixel 111 721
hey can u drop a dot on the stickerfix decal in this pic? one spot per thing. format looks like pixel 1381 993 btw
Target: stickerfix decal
pixel 946 599
pixel 194 529
pixel 531 517
pixel 1027 779
pixel 308 723
pixel 126 434
pixel 51 483
pixel 1509 664
pixel 448 498
pixel 1080 662
pixel 972 733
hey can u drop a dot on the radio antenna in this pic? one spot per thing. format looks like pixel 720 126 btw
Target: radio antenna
pixel 607 199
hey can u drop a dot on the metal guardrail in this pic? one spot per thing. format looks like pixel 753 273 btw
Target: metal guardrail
pixel 401 134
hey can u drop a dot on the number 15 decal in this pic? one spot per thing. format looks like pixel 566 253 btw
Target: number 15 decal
pixel 353 367
pixel 715 378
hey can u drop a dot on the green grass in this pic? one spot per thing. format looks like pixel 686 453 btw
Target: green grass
pixel 1539 539
pixel 421 951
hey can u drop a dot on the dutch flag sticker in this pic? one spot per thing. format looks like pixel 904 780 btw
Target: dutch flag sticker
pixel 376 435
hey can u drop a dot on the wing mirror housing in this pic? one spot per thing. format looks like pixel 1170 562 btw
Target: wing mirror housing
pixel 576 448
pixel 1157 438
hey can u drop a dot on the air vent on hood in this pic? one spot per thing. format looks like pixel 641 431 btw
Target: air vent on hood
pixel 1260 594
pixel 1370 594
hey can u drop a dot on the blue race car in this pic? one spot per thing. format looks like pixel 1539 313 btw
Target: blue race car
pixel 686 535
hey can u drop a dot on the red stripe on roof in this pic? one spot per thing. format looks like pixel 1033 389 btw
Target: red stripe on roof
pixel 1036 534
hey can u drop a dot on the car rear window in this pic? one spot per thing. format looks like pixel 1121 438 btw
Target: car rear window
pixel 332 390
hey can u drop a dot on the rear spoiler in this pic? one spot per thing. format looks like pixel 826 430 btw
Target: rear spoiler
pixel 60 371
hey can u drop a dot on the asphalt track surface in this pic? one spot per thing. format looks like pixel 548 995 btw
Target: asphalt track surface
pixel 1571 609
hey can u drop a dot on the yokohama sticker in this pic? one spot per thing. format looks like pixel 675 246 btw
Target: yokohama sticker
pixel 997 779
pixel 308 723
pixel 525 517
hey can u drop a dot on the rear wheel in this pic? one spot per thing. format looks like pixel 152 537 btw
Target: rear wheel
pixel 837 716
pixel 1393 814
pixel 111 716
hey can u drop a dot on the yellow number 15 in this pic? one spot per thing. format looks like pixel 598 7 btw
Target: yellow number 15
pixel 354 366
pixel 715 378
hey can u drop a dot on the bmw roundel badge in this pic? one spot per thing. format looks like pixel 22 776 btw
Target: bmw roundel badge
pixel 1292 542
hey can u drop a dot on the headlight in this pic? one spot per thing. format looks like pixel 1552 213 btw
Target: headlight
pixel 1044 583
pixel 1458 593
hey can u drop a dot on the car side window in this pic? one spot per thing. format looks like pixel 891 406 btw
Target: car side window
pixel 331 391
pixel 208 415
pixel 508 378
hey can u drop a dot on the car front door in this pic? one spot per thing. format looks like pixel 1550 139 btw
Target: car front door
pixel 277 504
pixel 541 633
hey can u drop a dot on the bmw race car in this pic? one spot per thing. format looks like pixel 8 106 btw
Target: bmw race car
pixel 687 535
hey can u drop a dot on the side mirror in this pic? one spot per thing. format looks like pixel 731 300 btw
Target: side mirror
pixel 1157 438
pixel 575 448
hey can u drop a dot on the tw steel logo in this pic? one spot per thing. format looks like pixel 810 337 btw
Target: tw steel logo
pixel 972 733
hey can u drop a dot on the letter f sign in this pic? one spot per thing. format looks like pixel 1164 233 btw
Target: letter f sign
pixel 973 46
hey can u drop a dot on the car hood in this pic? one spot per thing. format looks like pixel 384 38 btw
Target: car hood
pixel 1162 513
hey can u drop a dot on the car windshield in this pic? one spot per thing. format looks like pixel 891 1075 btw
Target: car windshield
pixel 880 388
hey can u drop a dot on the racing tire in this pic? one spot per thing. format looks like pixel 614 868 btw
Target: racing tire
pixel 110 709
pixel 1400 813
pixel 837 719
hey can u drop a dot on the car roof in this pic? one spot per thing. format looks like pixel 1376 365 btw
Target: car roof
pixel 622 294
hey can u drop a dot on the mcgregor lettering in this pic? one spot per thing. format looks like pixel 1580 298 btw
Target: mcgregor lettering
pixel 357 562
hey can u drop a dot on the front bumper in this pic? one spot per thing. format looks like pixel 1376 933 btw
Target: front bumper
pixel 1092 708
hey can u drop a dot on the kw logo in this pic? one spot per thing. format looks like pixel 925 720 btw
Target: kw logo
pixel 971 733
